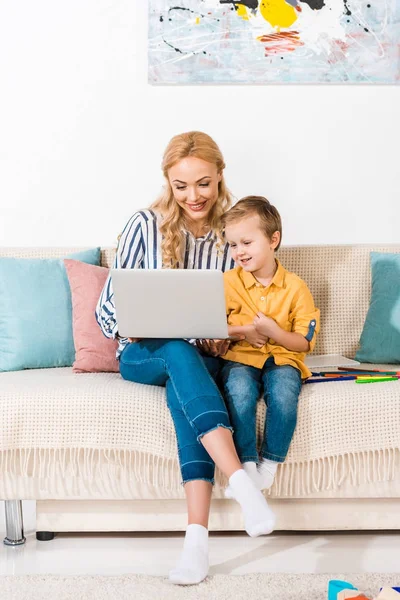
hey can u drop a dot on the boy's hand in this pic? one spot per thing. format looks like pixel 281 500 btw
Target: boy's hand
pixel 254 337
pixel 265 325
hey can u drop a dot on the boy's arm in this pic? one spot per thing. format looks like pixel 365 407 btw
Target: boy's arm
pixel 304 318
pixel 237 330
pixel 296 342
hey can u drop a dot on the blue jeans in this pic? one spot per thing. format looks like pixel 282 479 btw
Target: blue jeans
pixel 193 398
pixel 242 386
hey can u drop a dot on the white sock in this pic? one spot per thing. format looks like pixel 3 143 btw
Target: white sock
pixel 258 517
pixel 266 471
pixel 251 470
pixel 192 567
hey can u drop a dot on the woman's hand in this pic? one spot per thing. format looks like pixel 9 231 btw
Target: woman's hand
pixel 213 347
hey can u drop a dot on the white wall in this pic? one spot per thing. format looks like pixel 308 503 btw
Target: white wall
pixel 82 133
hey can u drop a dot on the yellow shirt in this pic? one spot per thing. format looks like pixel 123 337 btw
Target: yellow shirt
pixel 286 299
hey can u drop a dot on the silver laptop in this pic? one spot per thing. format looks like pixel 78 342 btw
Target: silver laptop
pixel 170 303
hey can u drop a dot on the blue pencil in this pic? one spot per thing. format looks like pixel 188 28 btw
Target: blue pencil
pixel 327 379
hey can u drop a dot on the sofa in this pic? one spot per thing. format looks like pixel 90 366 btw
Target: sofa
pixel 98 453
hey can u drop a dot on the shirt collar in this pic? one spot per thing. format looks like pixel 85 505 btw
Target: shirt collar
pixel 207 236
pixel 278 279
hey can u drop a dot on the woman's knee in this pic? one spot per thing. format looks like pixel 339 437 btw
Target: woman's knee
pixel 149 371
pixel 172 347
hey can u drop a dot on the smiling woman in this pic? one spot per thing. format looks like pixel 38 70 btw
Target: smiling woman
pixel 195 194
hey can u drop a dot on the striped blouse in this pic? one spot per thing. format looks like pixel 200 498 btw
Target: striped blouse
pixel 140 248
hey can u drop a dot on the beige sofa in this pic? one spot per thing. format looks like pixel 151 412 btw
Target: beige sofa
pixel 98 453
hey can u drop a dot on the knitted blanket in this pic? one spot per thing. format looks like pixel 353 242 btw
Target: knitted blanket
pixel 57 423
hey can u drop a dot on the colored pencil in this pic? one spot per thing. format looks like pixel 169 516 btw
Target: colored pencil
pixel 332 373
pixel 329 374
pixel 361 377
pixel 377 377
pixel 327 379
pixel 376 380
pixel 345 375
pixel 339 373
pixel 366 371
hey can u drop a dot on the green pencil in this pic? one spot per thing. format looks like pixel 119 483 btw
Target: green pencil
pixel 376 379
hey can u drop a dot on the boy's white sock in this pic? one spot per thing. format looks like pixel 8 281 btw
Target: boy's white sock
pixel 192 567
pixel 258 517
pixel 266 472
pixel 251 470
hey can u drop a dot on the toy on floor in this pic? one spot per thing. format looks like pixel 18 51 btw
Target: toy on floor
pixel 343 590
pixel 336 586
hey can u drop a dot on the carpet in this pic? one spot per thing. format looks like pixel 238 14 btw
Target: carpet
pixel 256 586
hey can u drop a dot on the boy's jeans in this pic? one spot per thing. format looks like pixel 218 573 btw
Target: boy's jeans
pixel 193 398
pixel 242 386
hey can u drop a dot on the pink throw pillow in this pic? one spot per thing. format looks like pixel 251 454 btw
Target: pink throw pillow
pixel 93 351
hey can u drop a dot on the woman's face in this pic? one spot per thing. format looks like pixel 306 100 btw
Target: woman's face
pixel 194 184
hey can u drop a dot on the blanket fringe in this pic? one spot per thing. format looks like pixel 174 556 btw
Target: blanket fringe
pixel 324 474
pixel 107 471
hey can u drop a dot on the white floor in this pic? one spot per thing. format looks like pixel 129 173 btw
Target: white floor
pixel 153 554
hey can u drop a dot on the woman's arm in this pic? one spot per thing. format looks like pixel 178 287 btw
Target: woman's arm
pixel 129 255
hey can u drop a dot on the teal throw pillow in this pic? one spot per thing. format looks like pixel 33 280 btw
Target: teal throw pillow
pixel 36 312
pixel 380 339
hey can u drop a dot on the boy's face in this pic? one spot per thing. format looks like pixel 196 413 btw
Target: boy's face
pixel 250 247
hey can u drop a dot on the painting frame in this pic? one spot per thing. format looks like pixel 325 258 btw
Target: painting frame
pixel 274 41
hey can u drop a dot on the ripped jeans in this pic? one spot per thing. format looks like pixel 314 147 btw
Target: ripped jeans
pixel 193 398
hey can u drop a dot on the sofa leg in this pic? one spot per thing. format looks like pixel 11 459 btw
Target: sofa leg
pixel 14 523
pixel 44 536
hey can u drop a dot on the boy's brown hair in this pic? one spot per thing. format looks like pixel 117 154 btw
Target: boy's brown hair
pixel 270 219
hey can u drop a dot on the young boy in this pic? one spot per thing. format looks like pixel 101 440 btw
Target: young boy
pixel 275 311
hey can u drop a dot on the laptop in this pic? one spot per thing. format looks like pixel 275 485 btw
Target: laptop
pixel 170 303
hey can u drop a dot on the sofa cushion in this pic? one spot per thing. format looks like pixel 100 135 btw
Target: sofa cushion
pixel 36 312
pixel 93 351
pixel 380 338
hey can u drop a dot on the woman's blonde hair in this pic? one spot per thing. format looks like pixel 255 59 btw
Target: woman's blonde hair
pixel 199 145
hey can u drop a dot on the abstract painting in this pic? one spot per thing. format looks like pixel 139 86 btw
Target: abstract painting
pixel 274 41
